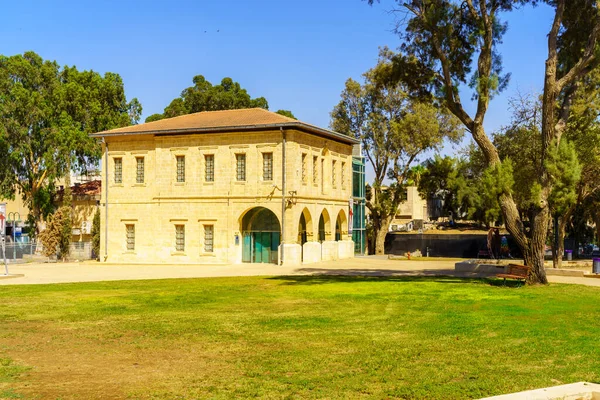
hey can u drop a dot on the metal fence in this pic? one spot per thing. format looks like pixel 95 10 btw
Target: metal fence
pixel 17 251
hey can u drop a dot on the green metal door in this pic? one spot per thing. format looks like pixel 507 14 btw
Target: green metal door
pixel 247 247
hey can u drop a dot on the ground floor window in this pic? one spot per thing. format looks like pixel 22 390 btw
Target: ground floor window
pixel 180 237
pixel 130 232
pixel 208 238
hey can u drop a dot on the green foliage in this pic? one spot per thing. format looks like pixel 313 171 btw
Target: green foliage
pixel 56 238
pixel 46 116
pixel 286 113
pixel 154 117
pixel 96 233
pixel 564 170
pixel 393 129
pixel 204 96
pixel 440 180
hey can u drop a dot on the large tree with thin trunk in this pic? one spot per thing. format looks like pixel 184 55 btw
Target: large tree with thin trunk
pixel 450 43
pixel 394 130
pixel 46 115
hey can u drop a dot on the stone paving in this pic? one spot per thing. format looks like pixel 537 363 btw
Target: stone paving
pixel 90 271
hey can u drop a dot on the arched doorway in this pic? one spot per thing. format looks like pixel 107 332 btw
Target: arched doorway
pixel 261 234
pixel 341 224
pixel 324 226
pixel 304 230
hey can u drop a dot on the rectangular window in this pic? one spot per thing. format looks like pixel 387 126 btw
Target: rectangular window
pixel 180 237
pixel 139 176
pixel 267 166
pixel 208 238
pixel 209 168
pixel 304 172
pixel 343 175
pixel 333 173
pixel 240 167
pixel 315 169
pixel 180 168
pixel 118 170
pixel 130 229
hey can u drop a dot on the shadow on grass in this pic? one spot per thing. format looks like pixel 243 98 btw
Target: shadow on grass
pixel 357 277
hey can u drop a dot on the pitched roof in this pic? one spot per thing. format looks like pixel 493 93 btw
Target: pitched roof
pixel 223 121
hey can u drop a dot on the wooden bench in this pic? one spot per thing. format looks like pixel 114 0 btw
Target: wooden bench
pixel 515 271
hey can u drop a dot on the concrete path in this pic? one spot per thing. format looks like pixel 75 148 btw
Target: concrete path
pixel 41 273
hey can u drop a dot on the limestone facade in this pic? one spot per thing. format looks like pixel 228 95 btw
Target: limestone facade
pixel 160 203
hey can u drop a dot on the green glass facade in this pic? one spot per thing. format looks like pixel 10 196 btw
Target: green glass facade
pixel 358 206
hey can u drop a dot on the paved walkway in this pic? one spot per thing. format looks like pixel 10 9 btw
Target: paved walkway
pixel 40 273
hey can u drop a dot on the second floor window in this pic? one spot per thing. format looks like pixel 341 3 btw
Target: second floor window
pixel 139 176
pixel 240 167
pixel 180 169
pixel 315 169
pixel 304 172
pixel 333 173
pixel 267 166
pixel 343 175
pixel 118 170
pixel 209 168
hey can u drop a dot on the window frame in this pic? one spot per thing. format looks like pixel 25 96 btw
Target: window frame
pixel 209 242
pixel 179 238
pixel 118 170
pixel 137 170
pixel 315 170
pixel 267 166
pixel 209 168
pixel 333 173
pixel 240 167
pixel 130 237
pixel 180 169
pixel 304 168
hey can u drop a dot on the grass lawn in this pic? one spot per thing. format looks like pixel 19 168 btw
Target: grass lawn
pixel 294 337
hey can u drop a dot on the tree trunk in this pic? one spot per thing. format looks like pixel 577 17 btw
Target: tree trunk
pixel 380 234
pixel 560 246
pixel 534 255
pixel 532 247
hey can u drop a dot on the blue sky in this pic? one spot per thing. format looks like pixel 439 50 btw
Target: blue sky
pixel 297 54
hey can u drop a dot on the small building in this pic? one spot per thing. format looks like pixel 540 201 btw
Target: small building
pixel 226 187
pixel 85 202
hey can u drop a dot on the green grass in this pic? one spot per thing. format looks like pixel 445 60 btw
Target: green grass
pixel 295 337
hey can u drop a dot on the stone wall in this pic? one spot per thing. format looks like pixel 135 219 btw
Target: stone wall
pixel 158 205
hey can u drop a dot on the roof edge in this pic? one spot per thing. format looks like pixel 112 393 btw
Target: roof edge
pixel 232 128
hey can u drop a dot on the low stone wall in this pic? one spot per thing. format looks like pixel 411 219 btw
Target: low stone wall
pixel 312 252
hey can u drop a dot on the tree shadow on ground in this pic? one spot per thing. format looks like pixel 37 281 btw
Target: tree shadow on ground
pixel 323 278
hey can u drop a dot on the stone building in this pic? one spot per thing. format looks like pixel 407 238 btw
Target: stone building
pixel 226 187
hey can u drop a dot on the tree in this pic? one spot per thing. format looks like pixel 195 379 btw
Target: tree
pixel 203 96
pixel 286 113
pixel 96 234
pixel 439 180
pixel 394 131
pixel 46 116
pixel 444 40
pixel 56 238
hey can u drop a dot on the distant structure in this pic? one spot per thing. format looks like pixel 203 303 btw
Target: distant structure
pixel 411 213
